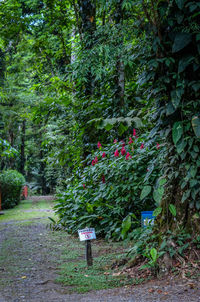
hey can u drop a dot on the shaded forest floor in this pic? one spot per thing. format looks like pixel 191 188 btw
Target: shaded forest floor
pixel 39 265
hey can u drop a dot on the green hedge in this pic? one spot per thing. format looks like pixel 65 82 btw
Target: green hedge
pixel 11 183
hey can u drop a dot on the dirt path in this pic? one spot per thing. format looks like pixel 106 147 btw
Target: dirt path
pixel 29 257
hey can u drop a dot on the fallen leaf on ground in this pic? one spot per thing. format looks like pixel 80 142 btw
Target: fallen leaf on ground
pixel 23 277
pixel 151 290
pixel 116 274
pixel 191 285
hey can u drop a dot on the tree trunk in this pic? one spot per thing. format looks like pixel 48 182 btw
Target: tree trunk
pixel 88 26
pixel 22 153
pixel 119 79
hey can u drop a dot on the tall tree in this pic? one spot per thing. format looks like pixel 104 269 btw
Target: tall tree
pixel 173 67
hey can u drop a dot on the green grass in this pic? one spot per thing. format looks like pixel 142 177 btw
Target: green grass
pixel 79 278
pixel 27 209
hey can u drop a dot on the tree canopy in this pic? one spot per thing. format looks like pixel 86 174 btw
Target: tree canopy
pixel 77 72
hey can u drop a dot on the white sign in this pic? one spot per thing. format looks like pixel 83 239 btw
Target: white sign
pixel 148 222
pixel 87 234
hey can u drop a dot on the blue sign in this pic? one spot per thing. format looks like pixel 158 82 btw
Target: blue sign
pixel 147 218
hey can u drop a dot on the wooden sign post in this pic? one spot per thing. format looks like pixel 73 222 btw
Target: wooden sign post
pixel 88 253
pixel 87 235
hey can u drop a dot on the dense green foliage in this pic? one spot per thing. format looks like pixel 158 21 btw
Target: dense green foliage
pixel 11 183
pixel 73 73
pixel 114 186
pixel 174 71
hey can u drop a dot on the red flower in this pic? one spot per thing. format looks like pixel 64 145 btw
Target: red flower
pixel 115 141
pixel 83 186
pixel 128 155
pixel 96 160
pixel 116 154
pixel 142 146
pixel 130 140
pixel 99 145
pixel 93 162
pixel 134 132
pixel 104 154
pixel 103 179
pixel 157 145
pixel 123 151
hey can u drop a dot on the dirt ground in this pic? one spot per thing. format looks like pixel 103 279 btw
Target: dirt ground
pixel 29 256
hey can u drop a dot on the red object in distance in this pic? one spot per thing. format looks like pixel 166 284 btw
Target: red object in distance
pixel 25 192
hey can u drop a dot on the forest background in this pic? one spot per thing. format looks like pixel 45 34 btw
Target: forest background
pixel 99 102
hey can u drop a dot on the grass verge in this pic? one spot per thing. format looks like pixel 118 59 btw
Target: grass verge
pixel 27 209
pixel 79 278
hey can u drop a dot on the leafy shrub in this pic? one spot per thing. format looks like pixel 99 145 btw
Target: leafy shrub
pixel 11 183
pixel 112 189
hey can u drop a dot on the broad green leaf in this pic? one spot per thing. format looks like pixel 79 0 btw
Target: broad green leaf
pixel 108 127
pixel 153 253
pixel 177 132
pixel 126 224
pixel 162 181
pixel 196 125
pixel 170 109
pixel 145 192
pixel 180 3
pixel 157 195
pixel 157 212
pixel 196 86
pixel 181 41
pixel 181 146
pixel 175 98
pixel 184 62
pixel 172 209
pixel 122 129
pixel 150 170
pixel 196 148
pixel 193 171
pixel 185 196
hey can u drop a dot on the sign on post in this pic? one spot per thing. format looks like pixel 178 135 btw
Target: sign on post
pixel 87 235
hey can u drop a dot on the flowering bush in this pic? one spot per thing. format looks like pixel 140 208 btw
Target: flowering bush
pixel 113 188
